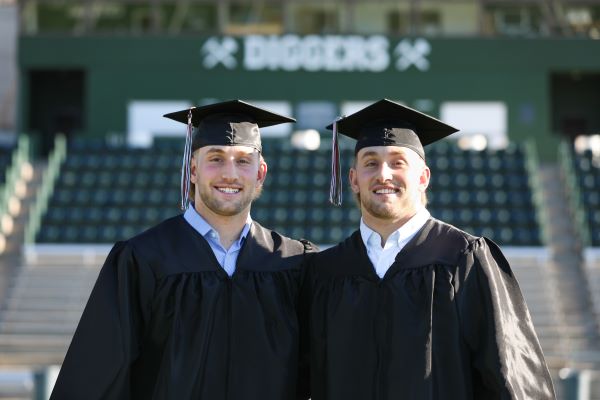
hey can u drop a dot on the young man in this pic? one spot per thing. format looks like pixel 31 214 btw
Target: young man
pixel 203 305
pixel 409 307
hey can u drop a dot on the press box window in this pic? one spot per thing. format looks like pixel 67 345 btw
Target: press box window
pixel 254 18
pixel 314 18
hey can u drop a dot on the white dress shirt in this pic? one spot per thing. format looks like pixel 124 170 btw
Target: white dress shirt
pixel 383 257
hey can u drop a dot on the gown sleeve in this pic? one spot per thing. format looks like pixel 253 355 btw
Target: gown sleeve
pixel 107 339
pixel 505 355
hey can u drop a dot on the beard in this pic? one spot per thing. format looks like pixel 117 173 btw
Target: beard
pixel 228 208
pixel 388 210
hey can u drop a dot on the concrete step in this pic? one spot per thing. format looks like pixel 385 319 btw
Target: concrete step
pixel 574 310
pixel 33 341
pixel 38 281
pixel 31 358
pixel 24 306
pixel 53 295
pixel 37 316
pixel 37 327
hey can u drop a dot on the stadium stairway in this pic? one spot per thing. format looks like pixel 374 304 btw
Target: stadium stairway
pixel 11 257
pixel 592 269
pixel 37 319
pixel 42 312
pixel 574 306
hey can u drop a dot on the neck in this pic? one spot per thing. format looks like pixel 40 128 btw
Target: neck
pixel 386 226
pixel 229 227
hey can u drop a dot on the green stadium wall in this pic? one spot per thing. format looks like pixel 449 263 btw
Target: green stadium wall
pixel 120 69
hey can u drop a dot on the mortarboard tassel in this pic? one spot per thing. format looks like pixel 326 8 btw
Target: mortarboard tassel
pixel 335 188
pixel 185 164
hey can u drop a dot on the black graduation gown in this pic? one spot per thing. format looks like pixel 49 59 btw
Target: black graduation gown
pixel 447 321
pixel 165 321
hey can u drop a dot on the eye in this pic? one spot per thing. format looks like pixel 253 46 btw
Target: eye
pixel 214 159
pixel 370 163
pixel 244 161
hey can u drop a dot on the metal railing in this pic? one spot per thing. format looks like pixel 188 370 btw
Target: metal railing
pixel 565 158
pixel 46 189
pixel 532 166
pixel 13 174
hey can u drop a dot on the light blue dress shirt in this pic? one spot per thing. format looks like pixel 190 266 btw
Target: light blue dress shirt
pixel 226 258
pixel 382 258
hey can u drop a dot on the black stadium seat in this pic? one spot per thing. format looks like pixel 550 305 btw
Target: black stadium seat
pixel 587 175
pixel 106 193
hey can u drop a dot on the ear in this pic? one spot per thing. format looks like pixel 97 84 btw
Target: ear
pixel 262 171
pixel 352 177
pixel 424 178
pixel 194 168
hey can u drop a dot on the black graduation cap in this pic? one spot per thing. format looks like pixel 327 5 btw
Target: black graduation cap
pixel 229 123
pixel 384 123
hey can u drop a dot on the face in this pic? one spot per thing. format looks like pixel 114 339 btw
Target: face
pixel 390 181
pixel 227 178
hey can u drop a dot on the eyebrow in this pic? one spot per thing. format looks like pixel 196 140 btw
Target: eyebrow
pixel 374 153
pixel 237 153
pixel 214 150
pixel 369 154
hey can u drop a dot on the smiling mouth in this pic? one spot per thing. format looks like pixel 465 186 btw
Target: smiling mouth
pixel 228 190
pixel 386 191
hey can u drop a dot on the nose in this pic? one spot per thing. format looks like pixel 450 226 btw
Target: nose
pixel 229 171
pixel 384 173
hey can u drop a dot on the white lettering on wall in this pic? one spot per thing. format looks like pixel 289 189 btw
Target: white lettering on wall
pixel 315 53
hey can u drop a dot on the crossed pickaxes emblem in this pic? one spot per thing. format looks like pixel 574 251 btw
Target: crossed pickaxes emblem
pixel 217 52
pixel 414 53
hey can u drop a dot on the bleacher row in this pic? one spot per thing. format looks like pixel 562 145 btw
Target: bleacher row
pixel 587 173
pixel 106 192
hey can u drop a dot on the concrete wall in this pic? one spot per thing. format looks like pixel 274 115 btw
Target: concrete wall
pixel 8 75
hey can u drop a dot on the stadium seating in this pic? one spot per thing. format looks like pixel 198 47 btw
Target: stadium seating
pixel 109 192
pixel 6 154
pixel 486 192
pixel 587 175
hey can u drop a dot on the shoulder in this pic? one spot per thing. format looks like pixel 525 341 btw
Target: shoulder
pixel 277 242
pixel 349 245
pixel 171 238
pixel 452 236
pixel 468 251
pixel 167 230
pixel 442 243
pixel 348 252
pixel 463 242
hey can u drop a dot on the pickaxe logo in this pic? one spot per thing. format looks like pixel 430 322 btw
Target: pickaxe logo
pixel 217 52
pixel 412 54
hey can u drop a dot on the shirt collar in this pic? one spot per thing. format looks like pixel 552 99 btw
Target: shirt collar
pixel 410 228
pixel 204 228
